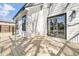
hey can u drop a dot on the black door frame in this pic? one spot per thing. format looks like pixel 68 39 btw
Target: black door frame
pixel 65 23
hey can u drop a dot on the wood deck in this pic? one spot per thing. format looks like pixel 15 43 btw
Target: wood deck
pixel 38 46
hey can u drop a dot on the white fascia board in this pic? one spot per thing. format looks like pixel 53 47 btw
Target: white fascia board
pixel 1 23
pixel 22 13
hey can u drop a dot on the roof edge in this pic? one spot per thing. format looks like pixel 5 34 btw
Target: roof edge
pixel 19 11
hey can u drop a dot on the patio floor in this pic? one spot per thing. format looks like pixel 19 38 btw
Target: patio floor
pixel 38 46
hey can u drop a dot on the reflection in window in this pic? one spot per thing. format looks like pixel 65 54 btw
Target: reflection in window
pixel 57 26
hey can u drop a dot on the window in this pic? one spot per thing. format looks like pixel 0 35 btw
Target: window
pixel 0 28
pixel 56 26
pixel 12 30
pixel 9 28
pixel 24 23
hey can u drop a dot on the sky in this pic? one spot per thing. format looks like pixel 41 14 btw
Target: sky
pixel 61 18
pixel 9 10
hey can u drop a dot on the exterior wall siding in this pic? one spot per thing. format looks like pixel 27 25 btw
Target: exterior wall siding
pixel 36 22
pixel 73 29
pixel 73 26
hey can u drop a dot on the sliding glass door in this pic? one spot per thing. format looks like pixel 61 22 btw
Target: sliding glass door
pixel 57 26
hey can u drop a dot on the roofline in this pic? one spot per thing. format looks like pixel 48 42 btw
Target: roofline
pixel 34 5
pixel 7 22
pixel 19 10
pixel 24 8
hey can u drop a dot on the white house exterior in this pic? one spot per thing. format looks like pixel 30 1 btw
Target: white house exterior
pixel 35 19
